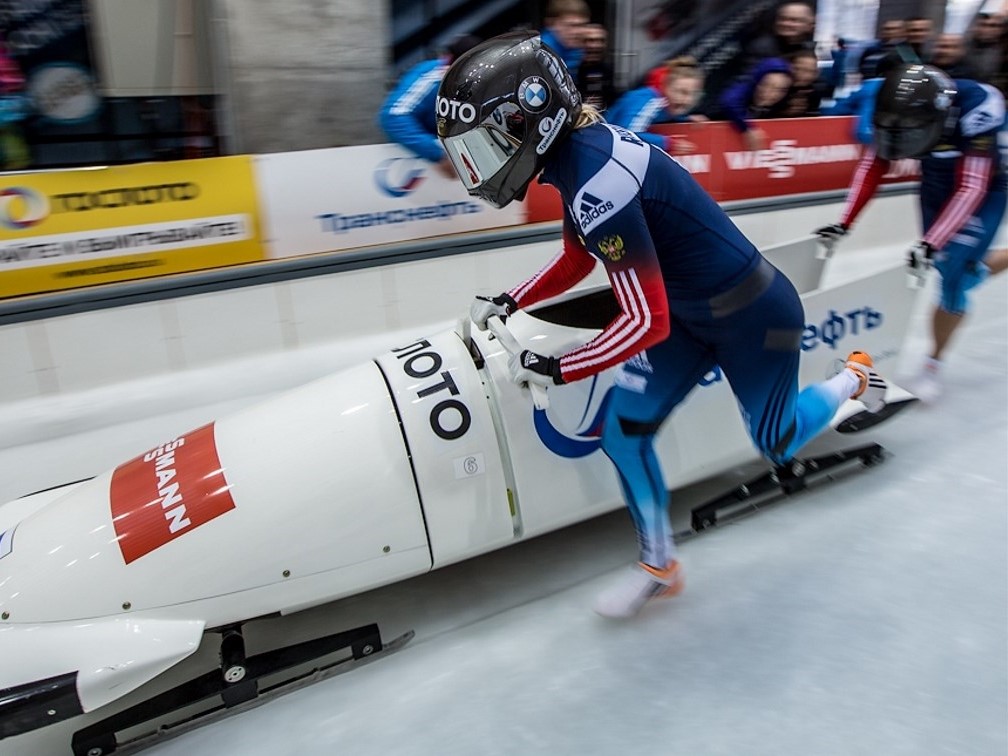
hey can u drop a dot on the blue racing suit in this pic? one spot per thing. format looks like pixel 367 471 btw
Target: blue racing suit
pixel 693 293
pixel 962 193
pixel 408 115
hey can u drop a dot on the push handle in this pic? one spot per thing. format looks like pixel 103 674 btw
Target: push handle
pixel 507 340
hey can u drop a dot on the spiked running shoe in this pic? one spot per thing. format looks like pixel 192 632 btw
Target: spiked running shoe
pixel 872 386
pixel 641 585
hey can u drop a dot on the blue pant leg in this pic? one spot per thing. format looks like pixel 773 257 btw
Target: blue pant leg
pixel 647 390
pixel 960 262
pixel 759 349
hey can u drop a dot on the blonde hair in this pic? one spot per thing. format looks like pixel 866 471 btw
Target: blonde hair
pixel 683 67
pixel 589 115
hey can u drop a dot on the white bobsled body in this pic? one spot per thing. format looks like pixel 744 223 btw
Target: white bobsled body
pixel 426 456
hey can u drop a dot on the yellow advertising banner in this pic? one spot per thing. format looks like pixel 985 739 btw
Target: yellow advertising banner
pixel 66 229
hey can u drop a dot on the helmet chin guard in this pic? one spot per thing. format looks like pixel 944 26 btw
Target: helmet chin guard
pixel 501 109
pixel 910 110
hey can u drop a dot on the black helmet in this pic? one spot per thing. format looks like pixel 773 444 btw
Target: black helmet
pixel 910 110
pixel 501 107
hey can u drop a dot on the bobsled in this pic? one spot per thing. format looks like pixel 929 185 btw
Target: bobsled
pixel 424 456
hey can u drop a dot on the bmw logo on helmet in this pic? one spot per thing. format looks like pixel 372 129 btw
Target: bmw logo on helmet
pixel 533 94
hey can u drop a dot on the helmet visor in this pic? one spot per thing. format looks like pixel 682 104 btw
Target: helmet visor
pixel 478 154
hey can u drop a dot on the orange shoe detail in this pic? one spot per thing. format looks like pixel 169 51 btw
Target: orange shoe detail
pixel 671 577
pixel 861 363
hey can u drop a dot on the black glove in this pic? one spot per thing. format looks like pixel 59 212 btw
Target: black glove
pixel 482 308
pixel 832 233
pixel 919 258
pixel 529 367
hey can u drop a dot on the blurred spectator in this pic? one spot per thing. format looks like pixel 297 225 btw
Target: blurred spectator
pixel 806 91
pixel 792 30
pixel 918 35
pixel 14 153
pixel 408 116
pixel 838 71
pixel 563 28
pixel 670 97
pixel 595 75
pixel 949 53
pixel 984 46
pixel 891 34
pixel 757 96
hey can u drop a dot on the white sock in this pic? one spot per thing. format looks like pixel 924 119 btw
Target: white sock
pixel 932 366
pixel 843 385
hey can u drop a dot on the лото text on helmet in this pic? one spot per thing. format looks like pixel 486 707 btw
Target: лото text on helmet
pixel 459 111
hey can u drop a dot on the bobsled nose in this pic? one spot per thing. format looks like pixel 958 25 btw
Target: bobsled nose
pixel 54 671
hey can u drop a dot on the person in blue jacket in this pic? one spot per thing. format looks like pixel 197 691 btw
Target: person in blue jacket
pixel 672 93
pixel 759 94
pixel 692 292
pixel 564 24
pixel 408 114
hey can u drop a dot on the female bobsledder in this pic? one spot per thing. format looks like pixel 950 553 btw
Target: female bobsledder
pixel 693 291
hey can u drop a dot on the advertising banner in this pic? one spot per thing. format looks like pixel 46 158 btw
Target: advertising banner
pixel 65 229
pixel 352 197
pixel 802 155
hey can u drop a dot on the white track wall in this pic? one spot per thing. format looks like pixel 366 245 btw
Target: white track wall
pixel 60 375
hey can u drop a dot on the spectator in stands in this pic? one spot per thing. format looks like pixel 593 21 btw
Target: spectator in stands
pixel 670 97
pixel 806 91
pixel 984 48
pixel 595 75
pixel 792 30
pixel 892 33
pixel 838 69
pixel 408 116
pixel 949 54
pixel 14 153
pixel 919 31
pixel 563 29
pixel 757 96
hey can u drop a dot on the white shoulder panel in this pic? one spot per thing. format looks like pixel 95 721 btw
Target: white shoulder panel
pixel 616 183
pixel 987 116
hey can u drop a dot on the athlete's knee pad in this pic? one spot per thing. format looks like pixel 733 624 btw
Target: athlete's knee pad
pixel 622 439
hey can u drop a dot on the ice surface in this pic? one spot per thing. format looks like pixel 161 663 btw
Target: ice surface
pixel 867 616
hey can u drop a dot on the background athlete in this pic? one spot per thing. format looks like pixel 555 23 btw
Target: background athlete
pixel 692 290
pixel 952 125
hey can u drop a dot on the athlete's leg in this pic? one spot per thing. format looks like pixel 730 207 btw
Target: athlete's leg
pixel 997 260
pixel 759 354
pixel 963 266
pixel 647 389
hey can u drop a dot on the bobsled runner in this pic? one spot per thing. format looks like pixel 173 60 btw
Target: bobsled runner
pixel 423 457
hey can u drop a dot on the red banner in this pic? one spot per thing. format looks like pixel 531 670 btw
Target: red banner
pixel 802 155
pixel 165 493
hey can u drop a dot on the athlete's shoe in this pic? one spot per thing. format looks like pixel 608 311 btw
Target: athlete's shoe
pixel 927 385
pixel 872 387
pixel 644 583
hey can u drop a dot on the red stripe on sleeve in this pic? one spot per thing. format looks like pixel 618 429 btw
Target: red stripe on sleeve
pixel 643 323
pixel 867 177
pixel 569 267
pixel 972 179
